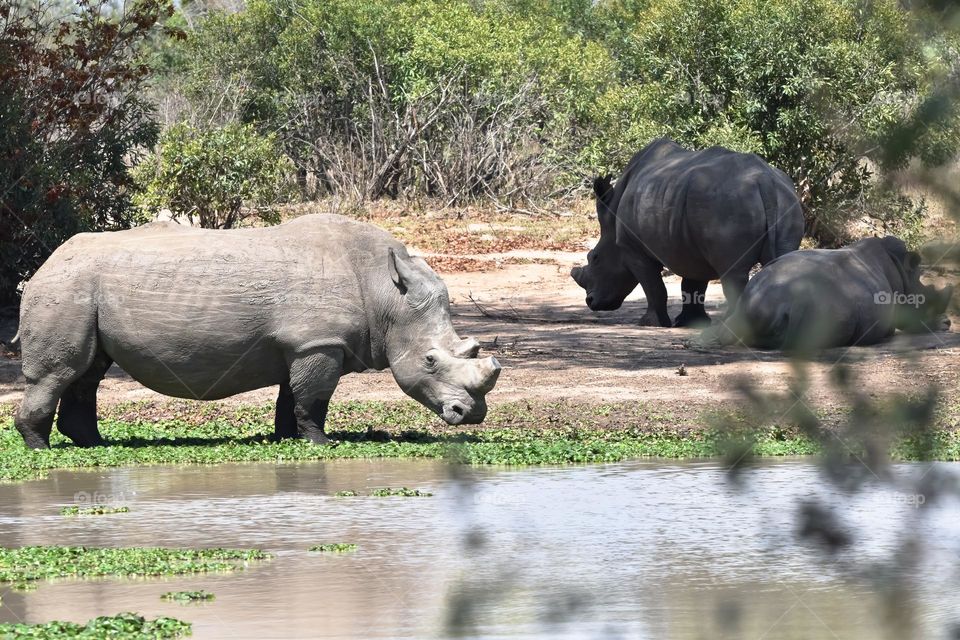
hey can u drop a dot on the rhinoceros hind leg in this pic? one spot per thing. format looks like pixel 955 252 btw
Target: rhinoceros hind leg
pixel 77 417
pixel 733 286
pixel 693 313
pixel 34 419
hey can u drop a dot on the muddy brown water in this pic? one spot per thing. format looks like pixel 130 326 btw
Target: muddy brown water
pixel 645 549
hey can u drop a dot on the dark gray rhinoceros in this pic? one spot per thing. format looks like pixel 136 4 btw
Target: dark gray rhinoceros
pixel 820 298
pixel 207 314
pixel 702 214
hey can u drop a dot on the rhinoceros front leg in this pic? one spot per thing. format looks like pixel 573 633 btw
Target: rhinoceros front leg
pixel 311 416
pixel 285 418
pixel 656 294
pixel 303 403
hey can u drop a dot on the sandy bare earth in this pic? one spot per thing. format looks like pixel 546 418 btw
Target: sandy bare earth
pixel 532 317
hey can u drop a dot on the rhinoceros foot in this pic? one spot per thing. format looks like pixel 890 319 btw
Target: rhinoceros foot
pixel 696 319
pixel 653 320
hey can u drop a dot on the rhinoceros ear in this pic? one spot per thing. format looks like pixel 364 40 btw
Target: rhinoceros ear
pixel 407 277
pixel 399 272
pixel 912 261
pixel 602 186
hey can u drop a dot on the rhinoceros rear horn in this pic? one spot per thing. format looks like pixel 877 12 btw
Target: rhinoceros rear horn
pixel 488 370
pixel 467 348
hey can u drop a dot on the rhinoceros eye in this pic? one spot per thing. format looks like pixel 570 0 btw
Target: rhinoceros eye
pixel 430 360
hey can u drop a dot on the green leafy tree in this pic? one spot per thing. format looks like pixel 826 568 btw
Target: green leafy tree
pixel 451 99
pixel 216 177
pixel 816 87
pixel 524 99
pixel 70 119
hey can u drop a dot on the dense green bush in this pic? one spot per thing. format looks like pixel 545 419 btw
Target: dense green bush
pixel 815 86
pixel 215 177
pixel 377 98
pixel 519 99
pixel 70 119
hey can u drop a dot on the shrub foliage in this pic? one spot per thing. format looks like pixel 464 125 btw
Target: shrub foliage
pixel 215 177
pixel 71 117
pixel 523 99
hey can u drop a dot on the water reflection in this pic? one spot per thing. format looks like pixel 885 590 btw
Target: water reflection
pixel 639 550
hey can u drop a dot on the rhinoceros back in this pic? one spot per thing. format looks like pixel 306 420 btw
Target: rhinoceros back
pixel 705 213
pixel 206 314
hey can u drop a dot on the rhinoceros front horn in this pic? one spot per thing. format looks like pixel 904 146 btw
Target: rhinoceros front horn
pixel 468 348
pixel 488 370
pixel 576 273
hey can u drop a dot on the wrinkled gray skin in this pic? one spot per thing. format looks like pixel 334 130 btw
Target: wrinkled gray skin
pixel 702 214
pixel 820 298
pixel 208 314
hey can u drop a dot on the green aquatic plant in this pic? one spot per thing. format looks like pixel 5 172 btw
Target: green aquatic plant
pixel 188 596
pixel 402 492
pixel 96 510
pixel 334 547
pixel 24 564
pixel 128 626
pixel 210 433
pixel 349 493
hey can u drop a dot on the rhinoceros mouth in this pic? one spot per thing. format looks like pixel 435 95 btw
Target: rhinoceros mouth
pixel 458 412
pixel 602 305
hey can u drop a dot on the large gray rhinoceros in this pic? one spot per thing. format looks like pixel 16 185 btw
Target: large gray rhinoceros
pixel 703 214
pixel 820 298
pixel 207 314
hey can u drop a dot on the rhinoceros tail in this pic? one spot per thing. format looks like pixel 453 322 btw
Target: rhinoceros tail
pixel 771 210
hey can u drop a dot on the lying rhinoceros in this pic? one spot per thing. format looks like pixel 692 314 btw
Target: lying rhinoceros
pixel 207 314
pixel 702 214
pixel 820 298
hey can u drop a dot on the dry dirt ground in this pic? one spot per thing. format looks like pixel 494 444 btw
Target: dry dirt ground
pixel 524 308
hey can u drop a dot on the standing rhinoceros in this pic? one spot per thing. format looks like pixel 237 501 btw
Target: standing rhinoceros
pixel 207 314
pixel 819 298
pixel 702 214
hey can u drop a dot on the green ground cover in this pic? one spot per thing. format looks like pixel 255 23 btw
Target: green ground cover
pixel 514 434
